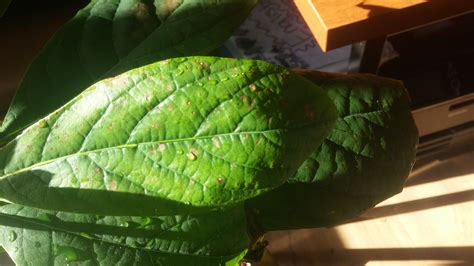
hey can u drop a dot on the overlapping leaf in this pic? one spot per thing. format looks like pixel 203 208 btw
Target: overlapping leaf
pixel 365 159
pixel 109 37
pixel 184 132
pixel 36 237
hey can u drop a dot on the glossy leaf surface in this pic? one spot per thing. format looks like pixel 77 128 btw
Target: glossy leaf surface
pixel 35 237
pixel 109 37
pixel 182 133
pixel 365 159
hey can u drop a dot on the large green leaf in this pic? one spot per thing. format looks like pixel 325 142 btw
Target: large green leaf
pixel 109 37
pixel 365 159
pixel 197 131
pixel 35 237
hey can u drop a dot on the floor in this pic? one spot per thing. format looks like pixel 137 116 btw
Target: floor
pixel 430 223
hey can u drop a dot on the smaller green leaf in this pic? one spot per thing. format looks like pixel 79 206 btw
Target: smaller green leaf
pixel 365 159
pixel 33 236
pixel 109 37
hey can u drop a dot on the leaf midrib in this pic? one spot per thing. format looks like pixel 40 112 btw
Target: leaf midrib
pixel 134 145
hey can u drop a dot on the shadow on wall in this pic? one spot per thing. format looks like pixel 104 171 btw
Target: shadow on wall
pixel 418 205
pixel 283 244
pixel 455 256
pixel 294 248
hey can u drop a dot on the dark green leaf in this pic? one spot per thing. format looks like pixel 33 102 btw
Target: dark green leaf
pixel 35 237
pixel 365 159
pixel 197 131
pixel 109 37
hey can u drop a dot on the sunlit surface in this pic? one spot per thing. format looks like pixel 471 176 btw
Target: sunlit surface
pixel 356 10
pixel 336 23
pixel 430 223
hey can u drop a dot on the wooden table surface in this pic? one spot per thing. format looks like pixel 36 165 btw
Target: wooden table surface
pixel 430 223
pixel 337 23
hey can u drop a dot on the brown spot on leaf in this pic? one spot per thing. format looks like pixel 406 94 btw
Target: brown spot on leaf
pixel 216 142
pixel 119 80
pixel 192 154
pixel 161 147
pixel 43 123
pixel 204 64
pixel 220 180
pixel 113 185
pixel 253 87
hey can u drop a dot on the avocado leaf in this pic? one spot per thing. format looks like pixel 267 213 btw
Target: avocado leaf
pixel 109 37
pixel 37 237
pixel 169 137
pixel 365 159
